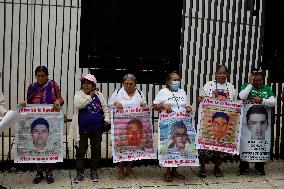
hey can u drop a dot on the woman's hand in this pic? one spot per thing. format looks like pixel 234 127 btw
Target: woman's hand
pixel 142 104
pixel 23 104
pixel 188 109
pixel 256 99
pixel 251 77
pixel 56 104
pixel 200 98
pixel 118 105
pixel 93 93
pixel 106 123
pixel 167 108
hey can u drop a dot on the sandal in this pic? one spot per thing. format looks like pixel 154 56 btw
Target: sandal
pixel 202 173
pixel 218 172
pixel 121 175
pixel 130 173
pixel 168 177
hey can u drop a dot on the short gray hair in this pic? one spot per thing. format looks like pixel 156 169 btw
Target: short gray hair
pixel 129 76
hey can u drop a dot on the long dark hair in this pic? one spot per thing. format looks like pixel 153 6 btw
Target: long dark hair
pixel 41 69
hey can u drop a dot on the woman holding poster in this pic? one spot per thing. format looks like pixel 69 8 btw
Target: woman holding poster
pixel 44 91
pixel 221 89
pixel 257 117
pixel 128 97
pixel 90 117
pixel 174 99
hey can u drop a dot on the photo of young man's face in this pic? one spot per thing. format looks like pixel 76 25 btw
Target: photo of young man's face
pixel 134 133
pixel 219 128
pixel 39 136
pixel 39 132
pixel 257 124
pixel 180 138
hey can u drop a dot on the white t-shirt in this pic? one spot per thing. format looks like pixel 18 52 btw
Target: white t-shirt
pixel 225 90
pixel 121 96
pixel 176 99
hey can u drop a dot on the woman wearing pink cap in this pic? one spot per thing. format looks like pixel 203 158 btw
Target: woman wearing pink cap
pixel 91 112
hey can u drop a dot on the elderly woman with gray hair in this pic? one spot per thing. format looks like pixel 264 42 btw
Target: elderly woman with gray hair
pixel 127 97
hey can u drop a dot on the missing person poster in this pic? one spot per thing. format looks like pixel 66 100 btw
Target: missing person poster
pixel 176 143
pixel 219 125
pixel 132 135
pixel 256 133
pixel 39 135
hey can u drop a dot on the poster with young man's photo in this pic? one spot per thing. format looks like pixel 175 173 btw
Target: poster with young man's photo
pixel 219 125
pixel 39 135
pixel 132 135
pixel 256 133
pixel 176 143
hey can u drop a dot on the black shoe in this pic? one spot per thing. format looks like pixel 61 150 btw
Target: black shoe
pixel 243 172
pixel 39 177
pixel 49 178
pixel 2 187
pixel 260 170
pixel 94 176
pixel 79 178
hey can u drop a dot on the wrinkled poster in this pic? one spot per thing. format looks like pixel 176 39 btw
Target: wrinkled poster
pixel 256 133
pixel 39 135
pixel 176 143
pixel 219 124
pixel 132 135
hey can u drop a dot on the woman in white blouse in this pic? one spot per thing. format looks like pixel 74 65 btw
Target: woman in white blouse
pixel 127 97
pixel 172 99
pixel 222 89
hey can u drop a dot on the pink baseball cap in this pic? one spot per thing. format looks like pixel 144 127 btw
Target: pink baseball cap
pixel 89 77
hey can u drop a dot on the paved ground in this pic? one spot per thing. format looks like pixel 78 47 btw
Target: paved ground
pixel 151 177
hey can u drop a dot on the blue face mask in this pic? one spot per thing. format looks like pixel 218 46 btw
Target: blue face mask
pixel 175 85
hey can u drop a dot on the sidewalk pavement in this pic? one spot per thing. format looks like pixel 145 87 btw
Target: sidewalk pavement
pixel 152 177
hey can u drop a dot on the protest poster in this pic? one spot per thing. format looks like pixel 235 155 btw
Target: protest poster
pixel 39 135
pixel 219 125
pixel 256 133
pixel 176 143
pixel 132 135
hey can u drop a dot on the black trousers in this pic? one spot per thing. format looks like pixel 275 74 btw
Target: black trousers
pixel 95 142
pixel 245 165
pixel 44 167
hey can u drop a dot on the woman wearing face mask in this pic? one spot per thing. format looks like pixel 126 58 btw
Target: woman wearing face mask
pixel 258 93
pixel 172 99
pixel 221 89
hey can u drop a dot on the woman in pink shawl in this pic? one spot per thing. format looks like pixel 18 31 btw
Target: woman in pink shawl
pixel 44 91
